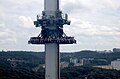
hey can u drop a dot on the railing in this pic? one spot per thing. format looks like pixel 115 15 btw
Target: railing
pixel 61 40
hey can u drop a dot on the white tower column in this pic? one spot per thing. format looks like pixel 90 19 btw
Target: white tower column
pixel 52 61
pixel 51 49
pixel 51 5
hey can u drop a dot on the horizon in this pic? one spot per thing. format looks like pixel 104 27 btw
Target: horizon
pixel 60 51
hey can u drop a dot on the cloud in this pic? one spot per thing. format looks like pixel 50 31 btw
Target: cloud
pixel 26 21
pixel 95 23
pixel 90 29
pixel 6 35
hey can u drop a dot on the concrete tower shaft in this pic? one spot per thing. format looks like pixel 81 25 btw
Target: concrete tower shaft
pixel 51 5
pixel 52 58
pixel 52 71
pixel 51 9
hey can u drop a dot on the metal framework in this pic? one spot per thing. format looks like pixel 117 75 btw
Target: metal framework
pixel 53 34
pixel 61 40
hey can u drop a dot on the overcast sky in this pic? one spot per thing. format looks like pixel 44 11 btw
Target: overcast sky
pixel 94 23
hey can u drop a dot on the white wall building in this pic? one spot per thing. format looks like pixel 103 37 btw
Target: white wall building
pixel 64 64
pixel 73 60
pixel 116 64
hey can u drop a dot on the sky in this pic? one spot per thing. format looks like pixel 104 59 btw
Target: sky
pixel 95 24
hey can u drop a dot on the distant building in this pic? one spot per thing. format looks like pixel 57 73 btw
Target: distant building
pixel 93 62
pixel 87 61
pixel 81 61
pixel 74 60
pixel 104 67
pixel 116 64
pixel 116 50
pixel 105 51
pixel 64 64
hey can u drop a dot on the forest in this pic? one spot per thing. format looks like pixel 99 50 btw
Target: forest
pixel 80 72
pixel 19 65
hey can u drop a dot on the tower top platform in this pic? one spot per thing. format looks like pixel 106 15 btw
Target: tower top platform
pixel 51 24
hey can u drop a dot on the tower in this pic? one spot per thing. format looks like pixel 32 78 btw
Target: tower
pixel 52 35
